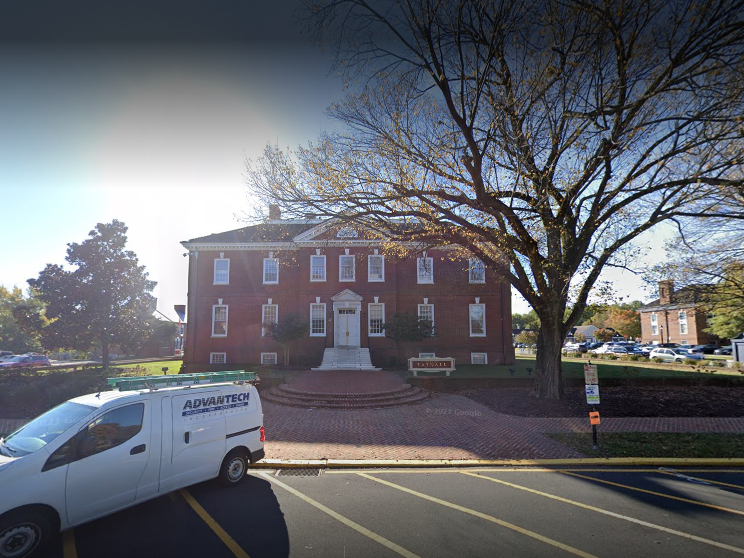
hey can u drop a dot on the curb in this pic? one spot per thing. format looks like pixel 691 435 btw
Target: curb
pixel 431 463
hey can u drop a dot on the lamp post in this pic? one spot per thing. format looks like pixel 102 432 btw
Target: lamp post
pixel 661 331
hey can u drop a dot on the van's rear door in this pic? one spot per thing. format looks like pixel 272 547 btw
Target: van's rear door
pixel 197 438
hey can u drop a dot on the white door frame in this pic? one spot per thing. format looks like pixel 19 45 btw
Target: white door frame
pixel 347 299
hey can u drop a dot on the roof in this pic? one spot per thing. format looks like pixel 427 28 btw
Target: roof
pixel 268 232
pixel 683 298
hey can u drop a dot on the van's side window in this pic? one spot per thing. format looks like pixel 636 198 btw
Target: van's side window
pixel 110 430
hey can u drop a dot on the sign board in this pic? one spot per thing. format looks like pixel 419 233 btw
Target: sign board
pixel 594 418
pixel 590 374
pixel 435 364
pixel 592 395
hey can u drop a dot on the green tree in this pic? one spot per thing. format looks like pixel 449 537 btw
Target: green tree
pixel 103 301
pixel 285 331
pixel 407 328
pixel 726 303
pixel 541 137
pixel 529 338
pixel 604 335
pixel 22 319
pixel 530 320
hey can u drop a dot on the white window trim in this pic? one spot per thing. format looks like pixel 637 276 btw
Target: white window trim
pixel 269 354
pixel 214 275
pixel 473 355
pixel 263 316
pixel 212 358
pixel 369 319
pixel 370 279
pixel 424 280
pixel 654 324
pixel 214 308
pixel 427 355
pixel 470 320
pixel 683 330
pixel 265 282
pixel 472 263
pixel 325 268
pixel 353 268
pixel 325 319
pixel 432 313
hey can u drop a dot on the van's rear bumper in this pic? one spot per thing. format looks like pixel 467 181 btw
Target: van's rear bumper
pixel 257 455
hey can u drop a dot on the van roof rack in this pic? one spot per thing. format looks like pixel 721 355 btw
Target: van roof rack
pixel 130 383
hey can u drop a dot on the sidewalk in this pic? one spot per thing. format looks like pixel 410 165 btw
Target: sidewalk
pixel 444 427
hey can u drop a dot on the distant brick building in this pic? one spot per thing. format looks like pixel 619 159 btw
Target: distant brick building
pixel 338 279
pixel 675 317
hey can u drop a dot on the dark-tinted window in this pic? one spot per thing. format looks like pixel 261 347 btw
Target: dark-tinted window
pixel 110 430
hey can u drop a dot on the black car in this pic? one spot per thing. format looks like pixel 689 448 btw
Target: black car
pixel 723 350
pixel 704 349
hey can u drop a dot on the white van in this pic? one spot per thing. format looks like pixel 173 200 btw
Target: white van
pixel 100 453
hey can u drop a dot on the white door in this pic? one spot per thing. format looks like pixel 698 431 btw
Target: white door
pixel 112 453
pixel 347 327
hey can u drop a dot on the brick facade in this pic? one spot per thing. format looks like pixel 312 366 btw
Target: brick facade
pixel 244 293
pixel 679 318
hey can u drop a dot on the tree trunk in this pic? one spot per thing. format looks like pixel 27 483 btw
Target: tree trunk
pixel 104 352
pixel 549 375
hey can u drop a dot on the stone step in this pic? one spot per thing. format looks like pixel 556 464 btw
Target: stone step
pixel 286 391
pixel 360 402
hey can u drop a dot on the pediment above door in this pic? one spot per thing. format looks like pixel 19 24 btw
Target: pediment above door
pixel 347 295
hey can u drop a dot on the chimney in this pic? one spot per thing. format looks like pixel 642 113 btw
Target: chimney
pixel 666 292
pixel 275 213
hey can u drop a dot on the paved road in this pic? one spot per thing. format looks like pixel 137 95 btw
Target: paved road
pixel 584 512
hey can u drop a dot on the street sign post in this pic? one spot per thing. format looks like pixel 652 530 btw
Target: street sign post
pixel 592 395
pixel 591 379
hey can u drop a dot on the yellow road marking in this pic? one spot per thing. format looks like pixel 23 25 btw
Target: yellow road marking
pixel 348 522
pixel 674 474
pixel 613 514
pixel 490 518
pixel 69 550
pixel 523 470
pixel 213 525
pixel 686 500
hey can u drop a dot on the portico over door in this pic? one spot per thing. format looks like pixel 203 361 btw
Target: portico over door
pixel 347 309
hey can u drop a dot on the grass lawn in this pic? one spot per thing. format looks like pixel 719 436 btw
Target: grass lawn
pixel 652 444
pixel 524 367
pixel 144 368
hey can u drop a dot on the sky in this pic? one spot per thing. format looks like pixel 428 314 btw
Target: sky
pixel 146 112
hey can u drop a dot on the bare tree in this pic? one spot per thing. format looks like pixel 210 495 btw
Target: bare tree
pixel 540 136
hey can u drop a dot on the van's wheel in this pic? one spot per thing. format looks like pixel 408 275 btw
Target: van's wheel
pixel 23 533
pixel 233 468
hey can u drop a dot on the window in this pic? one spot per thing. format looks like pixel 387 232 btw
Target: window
pixel 682 322
pixel 426 312
pixel 346 268
pixel 318 320
pixel 219 320
pixel 221 271
pixel 376 269
pixel 269 315
pixel 427 355
pixel 476 271
pixel 477 320
pixel 110 430
pixel 654 324
pixel 376 315
pixel 271 271
pixel 425 270
pixel 268 358
pixel 217 358
pixel 478 358
pixel 317 268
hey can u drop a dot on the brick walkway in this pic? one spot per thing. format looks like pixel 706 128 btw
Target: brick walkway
pixel 444 427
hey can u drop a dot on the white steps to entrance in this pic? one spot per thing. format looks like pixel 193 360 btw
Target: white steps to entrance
pixel 346 359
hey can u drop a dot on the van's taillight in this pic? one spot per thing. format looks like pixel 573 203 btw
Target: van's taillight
pixel 263 436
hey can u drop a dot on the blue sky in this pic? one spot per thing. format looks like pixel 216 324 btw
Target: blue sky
pixel 149 120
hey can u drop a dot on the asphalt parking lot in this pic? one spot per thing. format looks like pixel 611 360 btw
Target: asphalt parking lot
pixel 503 512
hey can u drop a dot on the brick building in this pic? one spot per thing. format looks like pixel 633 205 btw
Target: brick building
pixel 675 317
pixel 346 286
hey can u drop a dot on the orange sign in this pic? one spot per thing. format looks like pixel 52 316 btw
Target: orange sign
pixel 594 418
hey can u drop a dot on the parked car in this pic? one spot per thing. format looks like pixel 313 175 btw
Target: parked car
pixel 673 355
pixel 727 350
pixel 6 358
pixel 575 348
pixel 704 349
pixel 610 349
pixel 23 361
